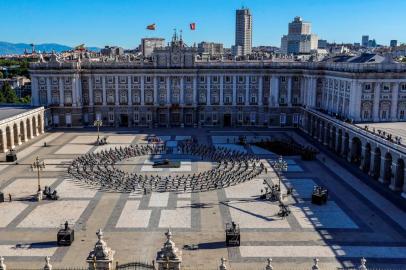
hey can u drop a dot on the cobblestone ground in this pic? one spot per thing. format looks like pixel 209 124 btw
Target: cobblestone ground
pixel 356 221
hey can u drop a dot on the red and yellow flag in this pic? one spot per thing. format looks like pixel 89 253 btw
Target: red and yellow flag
pixel 151 26
pixel 192 26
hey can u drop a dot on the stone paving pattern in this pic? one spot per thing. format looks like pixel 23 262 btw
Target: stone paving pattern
pixel 355 222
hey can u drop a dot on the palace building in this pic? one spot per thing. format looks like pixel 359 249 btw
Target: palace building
pixel 175 88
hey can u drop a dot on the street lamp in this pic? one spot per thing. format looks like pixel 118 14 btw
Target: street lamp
pixel 98 123
pixel 39 166
pixel 279 166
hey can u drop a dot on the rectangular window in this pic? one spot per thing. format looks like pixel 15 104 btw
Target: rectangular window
pixel 215 79
pixel 402 115
pixel 214 117
pixel 136 117
pixel 149 117
pixel 202 79
pixel 228 79
pixel 240 99
pixel 148 79
pixel 111 117
pixel 161 79
pixel 239 116
pixel 136 79
pixel 240 79
pixel 110 79
pixel 201 117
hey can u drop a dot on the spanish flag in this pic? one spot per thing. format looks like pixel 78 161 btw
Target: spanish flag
pixel 151 27
pixel 192 26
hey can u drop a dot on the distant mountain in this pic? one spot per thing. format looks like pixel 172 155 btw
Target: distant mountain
pixel 19 48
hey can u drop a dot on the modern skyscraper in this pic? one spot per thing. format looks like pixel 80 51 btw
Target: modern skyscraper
pixel 394 43
pixel 243 32
pixel 365 41
pixel 299 39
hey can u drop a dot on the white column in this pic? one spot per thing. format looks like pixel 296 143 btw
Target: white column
pixel 142 91
pixel 91 102
pixel 104 90
pixel 221 90
pixel 377 96
pixel 116 98
pixel 275 90
pixel 302 90
pixel 289 101
pixel 312 93
pixel 129 96
pixel 208 95
pixel 74 91
pixel 49 91
pixel 260 90
pixel 12 136
pixel 61 92
pixel 168 91
pixel 247 90
pixel 182 91
pixel 155 90
pixel 79 94
pixel 194 90
pixel 234 90
pixel 394 102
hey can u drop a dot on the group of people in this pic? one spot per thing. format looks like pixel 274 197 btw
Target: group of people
pixel 99 169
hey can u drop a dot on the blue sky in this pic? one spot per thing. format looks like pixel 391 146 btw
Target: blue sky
pixel 123 22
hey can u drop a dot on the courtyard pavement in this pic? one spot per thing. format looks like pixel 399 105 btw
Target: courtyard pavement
pixel 356 222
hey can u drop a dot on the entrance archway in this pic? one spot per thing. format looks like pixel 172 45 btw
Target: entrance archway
pixel 15 133
pixel 339 141
pixel 387 173
pixel 367 158
pixel 34 127
pixel 227 120
pixel 346 144
pixel 8 139
pixel 22 131
pixel 28 125
pixel 399 178
pixel 377 163
pixel 356 151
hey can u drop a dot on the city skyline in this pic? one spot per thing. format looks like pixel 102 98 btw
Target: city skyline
pixel 75 22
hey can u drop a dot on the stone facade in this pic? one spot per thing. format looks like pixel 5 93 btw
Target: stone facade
pixel 174 89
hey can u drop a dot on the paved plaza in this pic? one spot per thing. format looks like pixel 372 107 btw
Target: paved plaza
pixel 356 222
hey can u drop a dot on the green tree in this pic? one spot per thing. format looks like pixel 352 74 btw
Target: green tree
pixel 25 100
pixel 2 99
pixel 1 75
pixel 9 94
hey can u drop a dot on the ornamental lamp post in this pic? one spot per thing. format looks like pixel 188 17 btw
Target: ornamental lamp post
pixel 98 123
pixel 39 166
pixel 279 166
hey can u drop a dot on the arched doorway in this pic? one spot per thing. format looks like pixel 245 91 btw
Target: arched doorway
pixel 333 138
pixel 15 133
pixel 377 164
pixel 356 151
pixel 34 127
pixel 40 124
pixel 367 158
pixel 28 125
pixel 387 169
pixel 328 134
pixel 399 178
pixel 346 144
pixel 339 141
pixel 8 139
pixel 322 132
pixel 2 146
pixel 22 131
